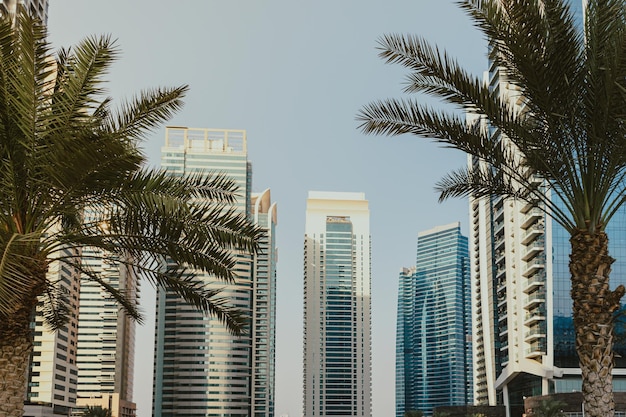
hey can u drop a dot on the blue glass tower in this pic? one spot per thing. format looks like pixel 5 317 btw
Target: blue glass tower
pixel 433 361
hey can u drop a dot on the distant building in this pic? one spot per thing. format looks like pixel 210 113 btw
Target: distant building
pixel 404 337
pixel 52 372
pixel 433 344
pixel 38 8
pixel 106 338
pixel 264 214
pixel 337 282
pixel 200 369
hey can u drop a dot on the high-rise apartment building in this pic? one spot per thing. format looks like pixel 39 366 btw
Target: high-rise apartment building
pixel 522 311
pixel 433 345
pixel 38 8
pixel 200 368
pixel 106 338
pixel 264 215
pixel 52 372
pixel 337 282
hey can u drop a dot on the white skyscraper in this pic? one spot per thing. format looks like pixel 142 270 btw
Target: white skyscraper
pixel 106 339
pixel 337 282
pixel 37 8
pixel 52 372
pixel 524 343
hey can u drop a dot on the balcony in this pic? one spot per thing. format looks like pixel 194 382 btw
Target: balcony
pixel 535 247
pixel 533 215
pixel 534 266
pixel 500 271
pixel 534 281
pixel 534 334
pixel 532 233
pixel 534 316
pixel 534 299
pixel 535 350
pixel 499 242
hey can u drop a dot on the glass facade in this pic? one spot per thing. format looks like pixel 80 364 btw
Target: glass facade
pixel 564 339
pixel 433 344
pixel 200 369
pixel 337 356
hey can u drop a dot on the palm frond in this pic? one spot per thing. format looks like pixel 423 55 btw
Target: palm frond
pixel 202 295
pixel 145 112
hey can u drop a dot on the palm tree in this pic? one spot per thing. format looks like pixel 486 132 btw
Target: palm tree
pixel 96 411
pixel 71 177
pixel 564 120
pixel 549 408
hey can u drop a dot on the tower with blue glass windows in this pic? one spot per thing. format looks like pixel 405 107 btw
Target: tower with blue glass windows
pixel 337 282
pixel 433 347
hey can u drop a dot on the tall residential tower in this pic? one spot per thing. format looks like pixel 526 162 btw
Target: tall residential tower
pixel 521 306
pixel 106 338
pixel 38 8
pixel 337 282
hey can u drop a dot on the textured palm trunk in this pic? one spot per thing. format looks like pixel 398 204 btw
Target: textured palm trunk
pixel 15 350
pixel 594 305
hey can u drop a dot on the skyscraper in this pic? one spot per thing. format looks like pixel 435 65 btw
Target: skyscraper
pixel 200 368
pixel 337 282
pixel 52 372
pixel 522 310
pixel 106 339
pixel 404 337
pixel 264 214
pixel 433 347
pixel 38 8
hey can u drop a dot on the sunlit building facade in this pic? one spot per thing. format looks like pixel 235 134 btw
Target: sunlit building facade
pixel 200 369
pixel 433 344
pixel 106 338
pixel 521 307
pixel 264 214
pixel 337 322
pixel 52 372
pixel 38 8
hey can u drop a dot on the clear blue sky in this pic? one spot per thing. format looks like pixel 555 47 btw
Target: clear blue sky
pixel 293 74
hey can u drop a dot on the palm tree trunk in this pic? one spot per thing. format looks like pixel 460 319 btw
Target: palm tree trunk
pixel 594 305
pixel 15 349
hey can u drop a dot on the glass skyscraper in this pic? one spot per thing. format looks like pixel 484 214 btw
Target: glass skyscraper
pixel 433 347
pixel 337 337
pixel 200 369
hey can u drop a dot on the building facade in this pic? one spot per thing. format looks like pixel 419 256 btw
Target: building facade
pixel 521 306
pixel 264 214
pixel 52 372
pixel 200 369
pixel 337 306
pixel 433 344
pixel 404 337
pixel 106 338
pixel 38 8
